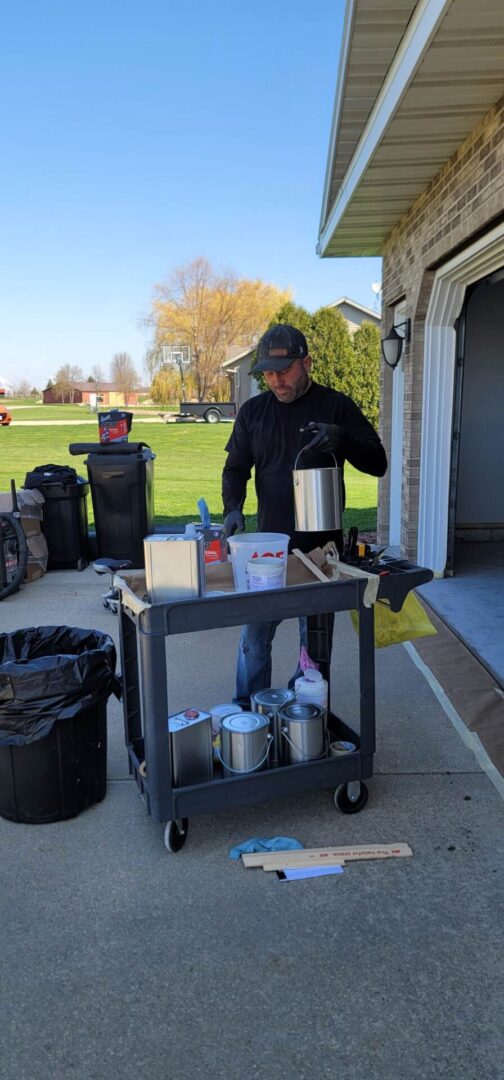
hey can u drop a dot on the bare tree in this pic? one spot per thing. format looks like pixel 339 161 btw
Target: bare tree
pixel 21 389
pixel 209 311
pixel 97 375
pixel 63 383
pixel 75 377
pixel 123 374
pixel 65 379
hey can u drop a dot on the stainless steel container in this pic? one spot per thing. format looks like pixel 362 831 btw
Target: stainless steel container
pixel 318 498
pixel 174 566
pixel 268 702
pixel 303 731
pixel 245 742
pixel 217 712
pixel 190 747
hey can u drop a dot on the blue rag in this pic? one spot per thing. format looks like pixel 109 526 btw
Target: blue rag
pixel 204 513
pixel 261 843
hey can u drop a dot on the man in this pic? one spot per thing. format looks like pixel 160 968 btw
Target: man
pixel 269 432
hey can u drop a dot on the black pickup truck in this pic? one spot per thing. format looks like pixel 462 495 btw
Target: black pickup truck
pixel 212 412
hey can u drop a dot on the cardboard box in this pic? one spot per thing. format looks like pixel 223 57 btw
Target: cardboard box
pixel 215 542
pixel 30 503
pixel 114 426
pixel 219 578
pixel 38 555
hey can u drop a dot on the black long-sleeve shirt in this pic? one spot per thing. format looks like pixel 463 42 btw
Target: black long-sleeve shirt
pixel 266 436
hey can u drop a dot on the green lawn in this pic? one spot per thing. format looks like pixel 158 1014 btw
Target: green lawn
pixel 188 466
pixel 24 409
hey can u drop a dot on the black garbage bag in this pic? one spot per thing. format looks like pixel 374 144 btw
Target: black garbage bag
pixel 50 474
pixel 50 673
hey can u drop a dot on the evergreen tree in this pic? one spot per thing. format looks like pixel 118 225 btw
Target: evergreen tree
pixel 342 361
pixel 364 373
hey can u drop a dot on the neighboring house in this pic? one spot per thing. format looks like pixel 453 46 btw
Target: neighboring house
pixel 86 393
pixel 416 174
pixel 355 314
pixel 243 385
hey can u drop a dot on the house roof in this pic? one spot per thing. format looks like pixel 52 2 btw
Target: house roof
pixel 237 356
pixel 373 315
pixel 414 79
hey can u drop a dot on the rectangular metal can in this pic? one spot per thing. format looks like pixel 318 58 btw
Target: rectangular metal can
pixel 174 567
pixel 191 747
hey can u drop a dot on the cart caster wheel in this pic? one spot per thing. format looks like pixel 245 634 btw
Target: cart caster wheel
pixel 175 834
pixel 350 798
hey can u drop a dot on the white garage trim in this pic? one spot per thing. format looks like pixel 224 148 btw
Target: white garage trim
pixel 447 297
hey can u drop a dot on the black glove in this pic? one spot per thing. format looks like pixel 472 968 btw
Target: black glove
pixel 234 522
pixel 327 437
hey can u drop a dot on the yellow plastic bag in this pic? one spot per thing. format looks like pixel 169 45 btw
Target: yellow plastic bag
pixel 392 627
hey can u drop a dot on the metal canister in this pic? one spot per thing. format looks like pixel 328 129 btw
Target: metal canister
pixel 318 498
pixel 268 702
pixel 245 742
pixel 303 731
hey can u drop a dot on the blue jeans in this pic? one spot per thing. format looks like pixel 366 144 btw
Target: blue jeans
pixel 254 657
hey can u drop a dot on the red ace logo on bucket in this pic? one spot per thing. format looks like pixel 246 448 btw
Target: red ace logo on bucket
pixel 268 555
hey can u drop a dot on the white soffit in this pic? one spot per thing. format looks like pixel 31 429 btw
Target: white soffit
pixel 414 80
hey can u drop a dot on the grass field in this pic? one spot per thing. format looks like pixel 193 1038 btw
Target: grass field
pixel 24 409
pixel 188 466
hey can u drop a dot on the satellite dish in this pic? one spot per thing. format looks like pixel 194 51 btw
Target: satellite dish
pixel 376 287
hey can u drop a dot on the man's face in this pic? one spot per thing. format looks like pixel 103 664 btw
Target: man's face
pixel 292 382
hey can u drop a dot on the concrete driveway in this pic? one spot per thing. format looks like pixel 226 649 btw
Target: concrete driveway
pixel 121 960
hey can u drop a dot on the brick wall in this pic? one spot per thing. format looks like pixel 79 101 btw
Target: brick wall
pixel 466 197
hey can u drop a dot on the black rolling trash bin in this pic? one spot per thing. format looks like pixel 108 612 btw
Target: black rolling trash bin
pixel 121 476
pixel 54 685
pixel 64 522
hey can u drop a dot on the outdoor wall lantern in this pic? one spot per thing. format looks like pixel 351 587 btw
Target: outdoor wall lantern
pixel 392 344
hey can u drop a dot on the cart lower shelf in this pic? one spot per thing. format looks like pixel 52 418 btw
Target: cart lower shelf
pixel 345 773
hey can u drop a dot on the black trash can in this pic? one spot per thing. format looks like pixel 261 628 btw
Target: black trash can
pixel 122 490
pixel 65 521
pixel 54 686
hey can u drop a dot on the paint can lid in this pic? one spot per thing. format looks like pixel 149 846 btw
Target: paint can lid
pixel 244 722
pixel 300 711
pixel 271 697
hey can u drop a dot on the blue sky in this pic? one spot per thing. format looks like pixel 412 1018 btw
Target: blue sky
pixel 137 136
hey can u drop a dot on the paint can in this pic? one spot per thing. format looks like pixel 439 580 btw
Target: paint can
pixel 245 743
pixel 303 731
pixel 268 702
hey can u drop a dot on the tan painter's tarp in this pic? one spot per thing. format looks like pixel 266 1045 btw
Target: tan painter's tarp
pixel 473 692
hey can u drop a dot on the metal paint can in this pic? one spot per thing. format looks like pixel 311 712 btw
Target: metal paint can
pixel 268 702
pixel 318 498
pixel 303 732
pixel 245 743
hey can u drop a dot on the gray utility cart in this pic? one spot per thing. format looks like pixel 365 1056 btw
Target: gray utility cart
pixel 146 685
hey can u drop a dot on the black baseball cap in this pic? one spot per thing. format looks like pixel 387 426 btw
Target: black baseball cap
pixel 279 347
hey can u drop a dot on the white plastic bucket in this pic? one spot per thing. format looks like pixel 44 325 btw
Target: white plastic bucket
pixel 312 687
pixel 247 546
pixel 263 573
